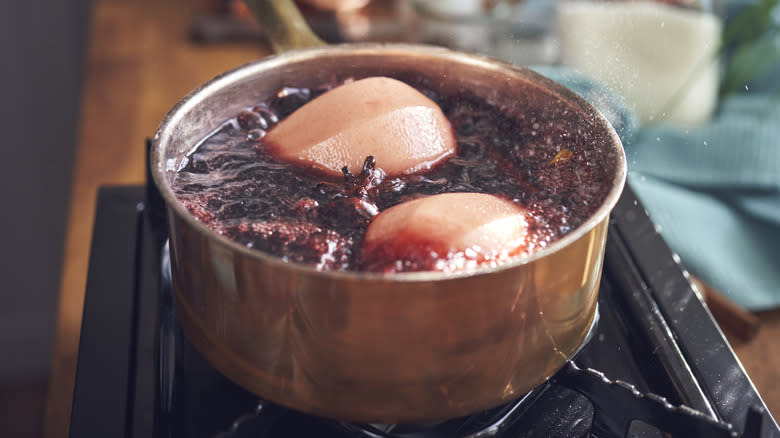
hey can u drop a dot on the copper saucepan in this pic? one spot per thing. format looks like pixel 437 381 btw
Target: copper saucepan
pixel 369 347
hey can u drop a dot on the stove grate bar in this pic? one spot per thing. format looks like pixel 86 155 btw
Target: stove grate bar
pixel 618 404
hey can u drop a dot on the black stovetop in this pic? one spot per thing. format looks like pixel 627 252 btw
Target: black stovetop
pixel 138 376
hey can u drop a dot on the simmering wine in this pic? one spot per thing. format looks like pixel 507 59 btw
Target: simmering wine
pixel 545 160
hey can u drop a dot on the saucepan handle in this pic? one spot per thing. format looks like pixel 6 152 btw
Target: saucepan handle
pixel 283 24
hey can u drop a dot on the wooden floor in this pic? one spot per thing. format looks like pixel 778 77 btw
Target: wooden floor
pixel 140 63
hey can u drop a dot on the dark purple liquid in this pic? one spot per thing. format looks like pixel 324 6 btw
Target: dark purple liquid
pixel 547 160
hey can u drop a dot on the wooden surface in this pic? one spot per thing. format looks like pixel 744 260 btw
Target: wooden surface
pixel 140 63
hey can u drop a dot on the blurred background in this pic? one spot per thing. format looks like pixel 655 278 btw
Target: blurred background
pixel 690 86
pixel 44 48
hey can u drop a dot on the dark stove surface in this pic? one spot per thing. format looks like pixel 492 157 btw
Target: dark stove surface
pixel 138 376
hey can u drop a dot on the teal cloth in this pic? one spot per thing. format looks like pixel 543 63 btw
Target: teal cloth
pixel 713 191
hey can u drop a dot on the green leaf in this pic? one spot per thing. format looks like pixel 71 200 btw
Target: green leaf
pixel 748 60
pixel 750 39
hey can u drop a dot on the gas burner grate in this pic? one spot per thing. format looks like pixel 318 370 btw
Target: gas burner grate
pixel 490 423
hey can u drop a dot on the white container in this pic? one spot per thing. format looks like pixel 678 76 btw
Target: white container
pixel 662 59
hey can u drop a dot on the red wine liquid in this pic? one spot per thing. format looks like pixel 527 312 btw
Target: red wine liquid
pixel 548 161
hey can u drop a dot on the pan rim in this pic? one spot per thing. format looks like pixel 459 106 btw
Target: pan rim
pixel 164 133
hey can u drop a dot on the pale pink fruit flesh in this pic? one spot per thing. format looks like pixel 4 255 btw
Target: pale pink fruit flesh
pixel 381 117
pixel 447 232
